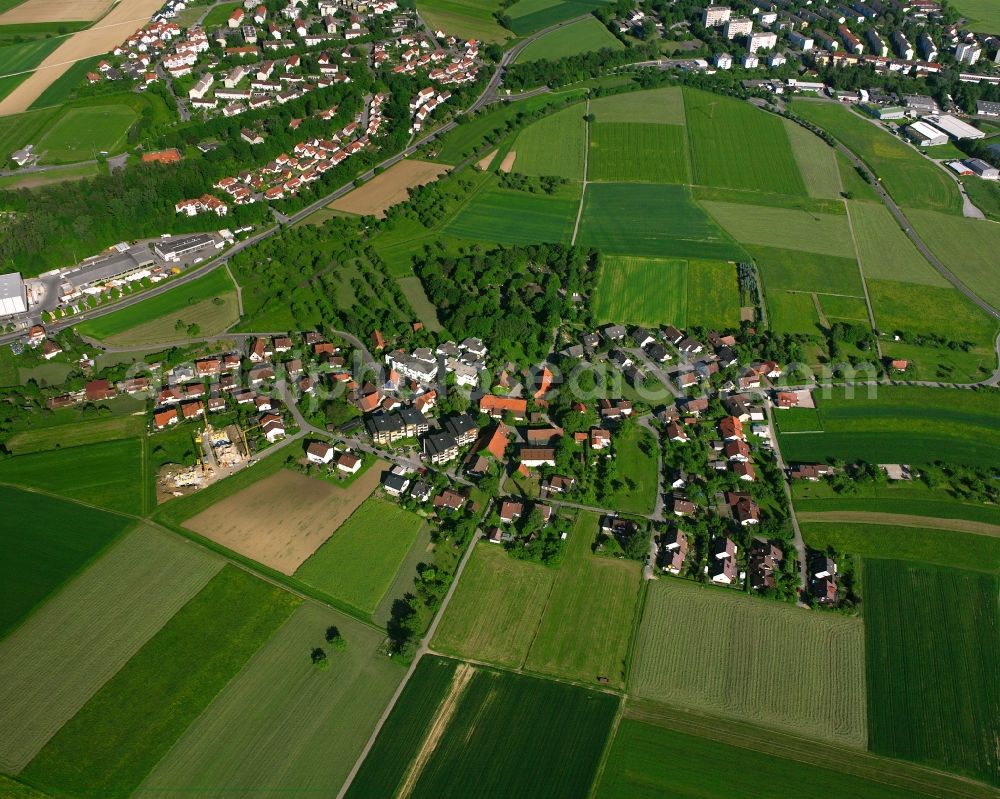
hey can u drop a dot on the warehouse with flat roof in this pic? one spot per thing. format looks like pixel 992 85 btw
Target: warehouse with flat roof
pixel 955 128
pixel 13 299
pixel 925 135
pixel 172 249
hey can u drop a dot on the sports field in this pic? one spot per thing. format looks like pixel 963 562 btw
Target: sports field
pixel 953 425
pixel 82 133
pixel 154 319
pixel 46 541
pixel 283 726
pixel 885 251
pixel 784 228
pixel 651 220
pixel 933 651
pixel 625 152
pixel 768 663
pixel 59 658
pixel 388 188
pixel 466 19
pixel 283 519
pixel 537 153
pixel 452 747
pixel 511 217
pixel 719 130
pixel 584 36
pixel 817 162
pixel 794 270
pixel 641 291
pixel 108 474
pixel 76 434
pixel 913 181
pixel 358 563
pixel 528 16
pixel 497 607
pixel 115 740
pixel 657 106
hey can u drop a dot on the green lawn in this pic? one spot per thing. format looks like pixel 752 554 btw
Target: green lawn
pixel 82 133
pixel 108 748
pixel 553 145
pixel 713 294
pixel 902 424
pixel 784 228
pixel 283 726
pixel 933 651
pixel 636 462
pixel 912 180
pixel 793 270
pixel 108 474
pixel 985 195
pixel 632 152
pixel 651 220
pixel 466 19
pixel 511 217
pixel 720 129
pixel 358 563
pixel 219 15
pixel 925 545
pixel 885 251
pixel 641 291
pixel 720 651
pixel 191 302
pixel 45 542
pixel 584 36
pixel 657 106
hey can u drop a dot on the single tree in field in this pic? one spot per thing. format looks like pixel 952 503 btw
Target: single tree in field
pixel 319 658
pixel 334 638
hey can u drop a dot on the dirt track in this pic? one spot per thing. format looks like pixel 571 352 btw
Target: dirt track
pixel 902 520
pixel 391 187
pixel 111 31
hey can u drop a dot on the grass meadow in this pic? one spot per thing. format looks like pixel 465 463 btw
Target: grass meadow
pixel 657 106
pixel 466 19
pixel 720 129
pixel 42 555
pixel 158 315
pixel 817 162
pixel 784 228
pixel 794 270
pixel 902 424
pixel 53 664
pixel 75 434
pixel 283 726
pixel 885 251
pixel 512 217
pixel 528 16
pixel 584 36
pixel 115 740
pixel 933 651
pixel 713 294
pixel 642 291
pixel 219 15
pixel 358 563
pixel 26 55
pixel 932 545
pixel 844 309
pixel 82 133
pixel 790 202
pixel 107 474
pixel 632 152
pixel 793 313
pixel 912 180
pixel 413 290
pixel 553 145
pixel 388 762
pixel 636 453
pixel 722 652
pixel 983 15
pixel 651 220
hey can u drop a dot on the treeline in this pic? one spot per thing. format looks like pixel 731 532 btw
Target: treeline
pixel 573 69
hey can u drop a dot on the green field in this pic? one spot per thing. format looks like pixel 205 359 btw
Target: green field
pixel 658 106
pixel 282 726
pixel 903 424
pixel 792 270
pixel 81 133
pixel 43 554
pixel 793 313
pixel 817 162
pixel 911 179
pixel 648 760
pixel 847 309
pixel 511 217
pixel 20 129
pixel 154 319
pixel 358 563
pixel 107 474
pixel 632 152
pixel 983 15
pixel 466 19
pixel 553 145
pixel 76 434
pixel 413 290
pixel 713 294
pixel 552 733
pixel 219 15
pixel 723 652
pixel 660 221
pixel 961 550
pixel 720 130
pixel 933 651
pixel 584 36
pixel 590 614
pixel 636 453
pixel 641 291
pixel 31 180
pixel 966 246
pixel 68 648
pixel 528 16
pixel 784 228
pixel 114 741
pixel 387 763
pixel 61 88
pixel 885 251
pixel 497 607
pixel 943 311
pixel 26 56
